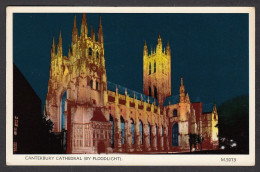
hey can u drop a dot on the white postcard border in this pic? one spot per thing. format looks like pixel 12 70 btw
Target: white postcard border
pixel 125 159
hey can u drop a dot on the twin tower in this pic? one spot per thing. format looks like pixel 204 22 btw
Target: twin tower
pixel 82 74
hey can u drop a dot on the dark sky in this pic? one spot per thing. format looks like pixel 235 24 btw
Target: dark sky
pixel 210 51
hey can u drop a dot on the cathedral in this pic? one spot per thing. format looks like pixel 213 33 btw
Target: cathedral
pixel 102 117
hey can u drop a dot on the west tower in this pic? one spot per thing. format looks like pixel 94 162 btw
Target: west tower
pixel 157 71
pixel 81 77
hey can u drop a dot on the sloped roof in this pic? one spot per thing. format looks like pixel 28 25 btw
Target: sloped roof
pixel 121 90
pixel 207 108
pixel 171 100
pixel 98 116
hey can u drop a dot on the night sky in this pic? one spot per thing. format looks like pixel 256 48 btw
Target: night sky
pixel 210 51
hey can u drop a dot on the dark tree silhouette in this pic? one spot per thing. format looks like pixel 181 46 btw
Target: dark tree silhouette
pixel 234 122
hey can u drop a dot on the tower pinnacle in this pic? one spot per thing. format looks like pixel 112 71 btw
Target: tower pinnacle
pixel 145 53
pixel 53 45
pixel 182 91
pixel 59 49
pixel 75 30
pixel 100 32
pixel 84 27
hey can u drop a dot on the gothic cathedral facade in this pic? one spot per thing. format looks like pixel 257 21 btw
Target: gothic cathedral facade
pixel 100 116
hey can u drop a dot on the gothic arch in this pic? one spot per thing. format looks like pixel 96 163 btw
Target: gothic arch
pixel 123 135
pixel 90 51
pixel 155 92
pixel 141 130
pixel 61 101
pixel 133 130
pixel 175 134
pixel 111 120
pixel 175 112
pixel 97 54
pixel 149 133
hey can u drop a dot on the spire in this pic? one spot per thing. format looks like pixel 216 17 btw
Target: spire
pixel 187 98
pixel 60 39
pixel 75 24
pixel 100 32
pixel 59 49
pixel 159 39
pixel 182 92
pixel 145 53
pixel 75 30
pixel 53 48
pixel 93 33
pixel 70 49
pixel 84 27
pixel 159 44
pixel 168 48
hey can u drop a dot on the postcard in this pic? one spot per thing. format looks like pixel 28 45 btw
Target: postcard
pixel 130 86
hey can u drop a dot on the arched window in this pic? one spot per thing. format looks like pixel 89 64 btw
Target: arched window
pixel 97 54
pixel 111 120
pixel 90 51
pixel 150 68
pixel 156 130
pixel 122 129
pixel 150 91
pixel 91 83
pixel 96 85
pixel 63 103
pixel 133 131
pixel 175 113
pixel 149 131
pixel 155 92
pixel 175 134
pixel 141 130
pixel 154 67
pixel 162 131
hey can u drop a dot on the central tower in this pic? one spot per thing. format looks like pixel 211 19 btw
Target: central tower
pixel 157 71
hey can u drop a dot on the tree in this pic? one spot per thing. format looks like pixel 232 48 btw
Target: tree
pixel 234 121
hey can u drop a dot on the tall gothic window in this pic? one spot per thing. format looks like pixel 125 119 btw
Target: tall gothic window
pixel 96 85
pixel 122 129
pixel 91 83
pixel 175 134
pixel 141 130
pixel 162 131
pixel 111 120
pixel 175 113
pixel 155 92
pixel 90 51
pixel 150 69
pixel 63 102
pixel 149 131
pixel 154 66
pixel 133 131
pixel 150 91
pixel 97 54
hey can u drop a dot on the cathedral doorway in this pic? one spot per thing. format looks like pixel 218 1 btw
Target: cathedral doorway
pixel 175 135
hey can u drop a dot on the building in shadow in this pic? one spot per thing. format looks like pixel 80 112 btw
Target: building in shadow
pixel 27 115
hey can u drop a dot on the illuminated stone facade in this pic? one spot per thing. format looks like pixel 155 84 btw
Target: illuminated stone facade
pixel 100 116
